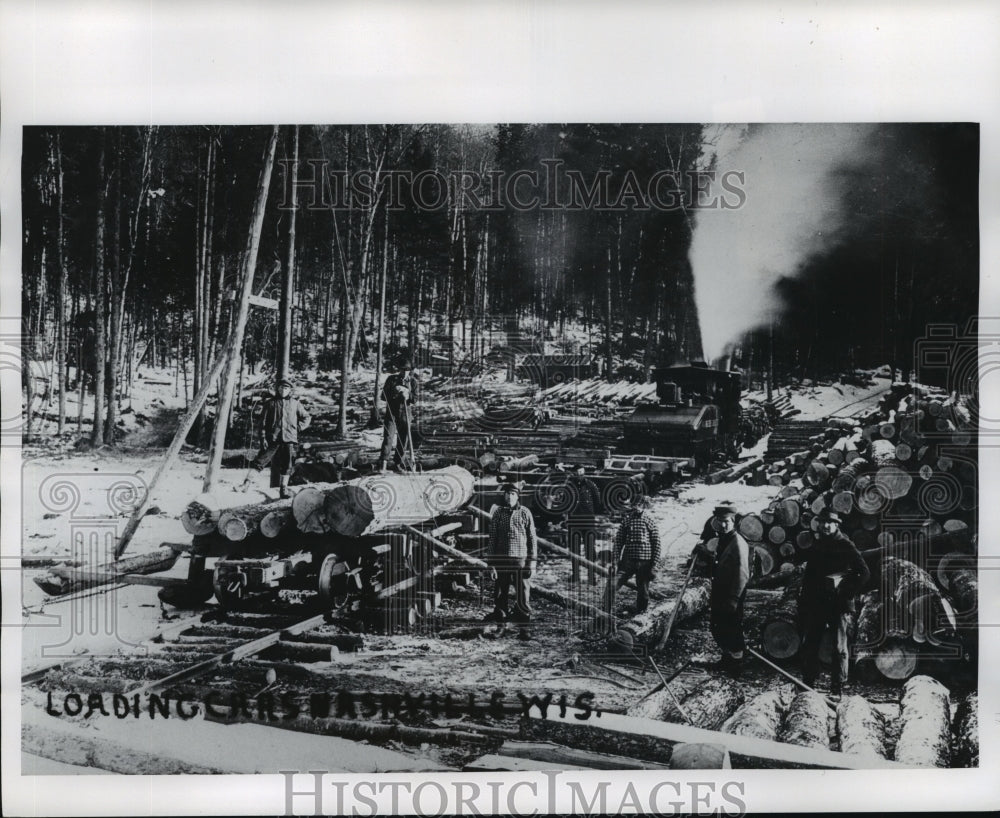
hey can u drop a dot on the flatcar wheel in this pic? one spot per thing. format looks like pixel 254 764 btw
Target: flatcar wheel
pixel 333 585
pixel 230 590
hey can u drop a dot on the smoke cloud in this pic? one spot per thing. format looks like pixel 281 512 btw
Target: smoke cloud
pixel 794 208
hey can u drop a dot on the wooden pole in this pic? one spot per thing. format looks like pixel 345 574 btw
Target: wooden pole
pixel 662 641
pixel 239 324
pixel 445 548
pixel 288 291
pixel 175 446
pixel 789 676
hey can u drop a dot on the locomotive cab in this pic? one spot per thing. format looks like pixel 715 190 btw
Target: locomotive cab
pixel 696 415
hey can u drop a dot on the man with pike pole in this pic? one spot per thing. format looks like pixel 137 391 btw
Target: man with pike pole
pixel 399 392
pixel 284 418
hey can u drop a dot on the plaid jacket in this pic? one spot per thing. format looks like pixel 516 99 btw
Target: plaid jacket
pixel 639 537
pixel 512 533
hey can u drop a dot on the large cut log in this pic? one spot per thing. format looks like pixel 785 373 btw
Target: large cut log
pixel 808 721
pixel 201 516
pixel 751 528
pixel 965 732
pixel 779 635
pixel 762 716
pixel 925 724
pixel 787 513
pixel 765 558
pixel 508 464
pixel 373 503
pixel 236 524
pixel 906 582
pixel 307 507
pixel 277 521
pixel 896 659
pixel 707 706
pixel 648 625
pixel 860 728
pixel 65 579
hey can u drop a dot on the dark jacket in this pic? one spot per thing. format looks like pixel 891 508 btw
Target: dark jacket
pixel 732 569
pixel 833 555
pixel 284 418
pixel 586 494
pixel 397 404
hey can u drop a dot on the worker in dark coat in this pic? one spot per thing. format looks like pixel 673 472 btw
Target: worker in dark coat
pixel 637 548
pixel 730 575
pixel 283 419
pixel 585 495
pixel 513 554
pixel 835 571
pixel 399 393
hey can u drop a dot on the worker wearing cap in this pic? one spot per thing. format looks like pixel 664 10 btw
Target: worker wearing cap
pixel 284 418
pixel 637 548
pixel 835 571
pixel 513 553
pixel 399 394
pixel 730 575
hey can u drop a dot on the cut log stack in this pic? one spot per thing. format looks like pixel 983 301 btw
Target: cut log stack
pixel 913 459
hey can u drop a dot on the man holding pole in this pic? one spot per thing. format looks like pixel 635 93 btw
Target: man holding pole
pixel 284 418
pixel 730 575
pixel 399 394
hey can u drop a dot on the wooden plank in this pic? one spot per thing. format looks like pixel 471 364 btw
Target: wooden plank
pixel 655 740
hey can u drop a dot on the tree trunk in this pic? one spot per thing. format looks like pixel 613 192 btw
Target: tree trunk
pixel 236 524
pixel 762 716
pixel 707 706
pixel 925 732
pixel 807 722
pixel 860 728
pixel 61 331
pixel 965 731
pixel 288 290
pixel 373 503
pixel 374 418
pixel 236 345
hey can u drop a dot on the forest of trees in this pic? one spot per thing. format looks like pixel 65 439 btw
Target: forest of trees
pixel 136 240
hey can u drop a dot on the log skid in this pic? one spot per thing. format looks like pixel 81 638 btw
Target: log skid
pixel 925 725
pixel 860 728
pixel 762 716
pixel 808 722
pixel 965 732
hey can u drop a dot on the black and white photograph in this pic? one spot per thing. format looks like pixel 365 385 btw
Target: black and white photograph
pixel 503 449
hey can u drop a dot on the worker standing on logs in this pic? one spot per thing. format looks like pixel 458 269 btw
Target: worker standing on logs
pixel 637 547
pixel 835 571
pixel 730 575
pixel 284 418
pixel 399 394
pixel 512 556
